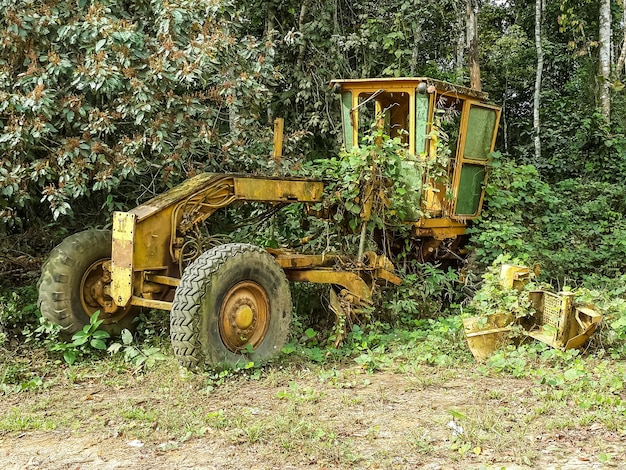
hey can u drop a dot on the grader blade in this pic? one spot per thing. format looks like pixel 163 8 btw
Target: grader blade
pixel 556 321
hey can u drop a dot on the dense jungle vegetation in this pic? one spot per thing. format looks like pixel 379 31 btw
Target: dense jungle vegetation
pixel 105 104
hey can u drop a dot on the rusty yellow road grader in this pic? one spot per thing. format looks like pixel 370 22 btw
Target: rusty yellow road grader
pixel 232 302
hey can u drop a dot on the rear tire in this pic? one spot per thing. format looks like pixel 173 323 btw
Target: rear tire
pixel 69 279
pixel 233 305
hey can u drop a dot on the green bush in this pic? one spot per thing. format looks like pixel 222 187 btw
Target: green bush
pixel 426 292
pixel 93 94
pixel 574 229
pixel 18 308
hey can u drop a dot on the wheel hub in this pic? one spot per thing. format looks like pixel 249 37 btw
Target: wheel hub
pixel 92 288
pixel 244 316
pixel 93 293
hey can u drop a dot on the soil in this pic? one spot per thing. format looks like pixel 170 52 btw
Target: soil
pixel 295 419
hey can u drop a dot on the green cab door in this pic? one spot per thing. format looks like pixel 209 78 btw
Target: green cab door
pixel 479 126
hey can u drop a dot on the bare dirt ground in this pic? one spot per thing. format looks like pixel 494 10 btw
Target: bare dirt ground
pixel 296 419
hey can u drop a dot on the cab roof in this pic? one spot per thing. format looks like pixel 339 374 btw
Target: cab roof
pixel 391 83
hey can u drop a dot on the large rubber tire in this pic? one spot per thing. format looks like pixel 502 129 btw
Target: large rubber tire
pixel 233 306
pixel 62 286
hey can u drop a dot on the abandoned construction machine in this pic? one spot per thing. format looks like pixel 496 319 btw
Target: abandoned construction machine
pixel 232 302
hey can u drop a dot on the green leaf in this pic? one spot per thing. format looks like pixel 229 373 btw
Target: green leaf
pixel 100 334
pixel 127 336
pixel 79 340
pixel 114 348
pixel 457 414
pixel 572 374
pixel 70 356
pixel 98 344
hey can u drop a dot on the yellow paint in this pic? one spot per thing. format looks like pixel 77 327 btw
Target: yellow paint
pixel 122 257
pixel 244 317
pixel 279 125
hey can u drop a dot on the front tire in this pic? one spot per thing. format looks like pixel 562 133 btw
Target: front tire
pixel 71 286
pixel 233 305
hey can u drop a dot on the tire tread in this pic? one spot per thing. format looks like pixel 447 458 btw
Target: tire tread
pixel 185 314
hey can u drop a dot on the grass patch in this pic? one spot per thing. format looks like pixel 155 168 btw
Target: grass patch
pixel 384 399
pixel 15 420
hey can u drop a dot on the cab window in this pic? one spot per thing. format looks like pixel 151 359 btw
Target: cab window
pixel 448 118
pixel 388 111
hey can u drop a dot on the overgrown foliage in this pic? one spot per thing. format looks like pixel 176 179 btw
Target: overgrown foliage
pixel 574 229
pixel 101 97
pixel 371 183
pixel 493 297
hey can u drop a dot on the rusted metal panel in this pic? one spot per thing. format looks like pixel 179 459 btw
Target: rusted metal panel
pixel 351 281
pixel 153 252
pixel 443 222
pixel 278 190
pixel 184 190
pixel 122 257
pixel 439 228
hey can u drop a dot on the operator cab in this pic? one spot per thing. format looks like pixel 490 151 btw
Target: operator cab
pixel 421 111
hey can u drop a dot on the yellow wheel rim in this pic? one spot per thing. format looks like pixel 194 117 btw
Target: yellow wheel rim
pixel 244 316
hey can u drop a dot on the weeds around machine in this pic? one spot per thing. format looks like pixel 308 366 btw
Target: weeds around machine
pixel 232 302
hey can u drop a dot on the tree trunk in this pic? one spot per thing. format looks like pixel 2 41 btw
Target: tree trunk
pixel 537 99
pixel 472 37
pixel 505 123
pixel 605 58
pixel 621 62
pixel 304 9
pixel 270 19
pixel 461 43
pixel 417 41
pixel 270 25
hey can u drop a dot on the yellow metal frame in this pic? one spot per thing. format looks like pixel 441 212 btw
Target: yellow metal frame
pixel 556 321
pixel 367 87
pixel 148 241
pixel 145 264
pixel 161 223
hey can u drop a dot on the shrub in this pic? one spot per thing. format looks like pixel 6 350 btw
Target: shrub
pixel 93 94
pixel 575 229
